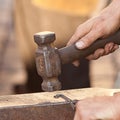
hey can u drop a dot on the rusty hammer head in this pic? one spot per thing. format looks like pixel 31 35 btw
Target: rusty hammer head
pixel 47 61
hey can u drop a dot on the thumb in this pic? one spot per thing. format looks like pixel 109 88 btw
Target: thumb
pixel 88 39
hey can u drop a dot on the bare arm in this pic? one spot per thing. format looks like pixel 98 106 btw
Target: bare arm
pixel 106 23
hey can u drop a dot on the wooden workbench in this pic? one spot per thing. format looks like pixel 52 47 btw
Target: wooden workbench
pixel 43 106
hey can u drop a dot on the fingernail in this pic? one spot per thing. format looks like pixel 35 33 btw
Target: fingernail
pixel 80 44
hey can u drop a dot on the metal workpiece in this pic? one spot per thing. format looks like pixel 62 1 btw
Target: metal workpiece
pixel 47 61
pixel 71 102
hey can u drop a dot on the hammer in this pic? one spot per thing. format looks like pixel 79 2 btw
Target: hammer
pixel 49 58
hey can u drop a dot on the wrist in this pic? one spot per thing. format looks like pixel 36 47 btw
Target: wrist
pixel 115 7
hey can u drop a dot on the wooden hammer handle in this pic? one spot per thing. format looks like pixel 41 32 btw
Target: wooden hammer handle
pixel 70 53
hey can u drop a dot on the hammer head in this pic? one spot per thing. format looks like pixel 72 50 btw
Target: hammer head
pixel 47 61
pixel 45 37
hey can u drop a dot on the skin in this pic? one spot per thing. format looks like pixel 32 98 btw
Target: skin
pixel 98 108
pixel 101 26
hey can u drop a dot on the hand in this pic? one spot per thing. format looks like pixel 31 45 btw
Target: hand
pixel 98 108
pixel 101 26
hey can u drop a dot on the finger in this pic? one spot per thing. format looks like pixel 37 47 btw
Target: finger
pixel 108 48
pixel 90 57
pixel 82 30
pixel 115 47
pixel 88 39
pixel 77 117
pixel 81 112
pixel 98 53
pixel 76 63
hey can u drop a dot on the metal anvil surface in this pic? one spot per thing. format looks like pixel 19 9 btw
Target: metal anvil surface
pixel 43 106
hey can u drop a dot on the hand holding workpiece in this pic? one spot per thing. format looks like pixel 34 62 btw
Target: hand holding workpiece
pixel 101 26
pixel 98 108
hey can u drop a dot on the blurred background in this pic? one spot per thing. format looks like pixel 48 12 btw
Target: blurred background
pixel 21 19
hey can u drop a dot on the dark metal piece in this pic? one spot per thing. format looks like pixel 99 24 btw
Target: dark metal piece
pixel 42 111
pixel 72 102
pixel 49 59
pixel 38 112
pixel 44 37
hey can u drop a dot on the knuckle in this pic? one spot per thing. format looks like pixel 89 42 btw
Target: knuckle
pixel 101 19
pixel 78 28
pixel 99 26
pixel 100 29
pixel 77 31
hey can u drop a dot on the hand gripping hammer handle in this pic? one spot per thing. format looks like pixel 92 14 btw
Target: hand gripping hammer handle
pixel 71 53
pixel 49 59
